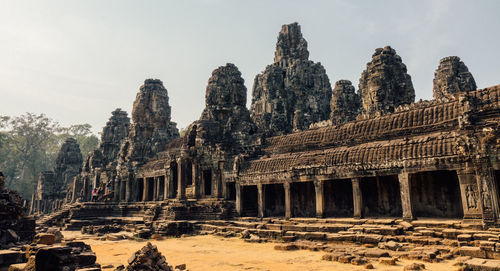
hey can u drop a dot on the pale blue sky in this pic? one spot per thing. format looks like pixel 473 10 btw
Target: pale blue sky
pixel 77 61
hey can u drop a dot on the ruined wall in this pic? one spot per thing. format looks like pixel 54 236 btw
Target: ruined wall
pixel 452 76
pixel 385 83
pixel 293 92
pixel 54 187
pixel 68 162
pixel 15 226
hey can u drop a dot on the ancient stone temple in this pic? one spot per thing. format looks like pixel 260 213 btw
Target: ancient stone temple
pixel 99 168
pixel 385 83
pixel 54 187
pixel 151 128
pixel 452 76
pixel 293 92
pixel 345 104
pixel 149 134
pixel 397 158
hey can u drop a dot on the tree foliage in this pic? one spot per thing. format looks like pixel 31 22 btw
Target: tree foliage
pixel 29 144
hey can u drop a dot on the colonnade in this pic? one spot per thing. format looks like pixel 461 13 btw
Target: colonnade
pixel 467 194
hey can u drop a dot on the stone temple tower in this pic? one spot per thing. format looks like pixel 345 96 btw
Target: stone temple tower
pixel 385 84
pixel 293 92
pixel 452 76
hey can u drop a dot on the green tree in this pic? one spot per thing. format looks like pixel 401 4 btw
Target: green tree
pixel 30 143
pixel 25 150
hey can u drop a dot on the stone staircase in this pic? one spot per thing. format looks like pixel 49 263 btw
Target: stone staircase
pixel 61 214
pixel 454 236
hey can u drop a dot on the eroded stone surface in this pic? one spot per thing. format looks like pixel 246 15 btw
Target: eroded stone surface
pixel 15 226
pixel 54 187
pixel 225 117
pixel 452 76
pixel 147 258
pixel 293 92
pixel 345 104
pixel 152 127
pixel 385 83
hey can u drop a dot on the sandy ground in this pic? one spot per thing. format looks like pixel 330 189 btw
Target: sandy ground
pixel 207 253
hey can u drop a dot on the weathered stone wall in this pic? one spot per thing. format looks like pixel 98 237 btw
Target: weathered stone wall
pixel 15 226
pixel 54 188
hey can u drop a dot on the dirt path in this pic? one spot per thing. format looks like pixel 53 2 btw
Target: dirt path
pixel 212 253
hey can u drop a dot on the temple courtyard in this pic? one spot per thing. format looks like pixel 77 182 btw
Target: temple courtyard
pixel 210 252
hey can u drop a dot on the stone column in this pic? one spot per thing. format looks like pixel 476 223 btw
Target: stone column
pixel 181 192
pixel 156 189
pixel 357 197
pixel 469 192
pixel 288 203
pixel 404 187
pixel 116 196
pixel 145 188
pixel 217 180
pixel 196 179
pixel 166 184
pixel 320 206
pixel 485 178
pixel 128 189
pixel 261 199
pixel 239 209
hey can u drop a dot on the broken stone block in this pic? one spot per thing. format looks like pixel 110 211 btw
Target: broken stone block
pixel 414 267
pixel 147 258
pixel 482 265
pixel 18 267
pixel 345 258
pixel 286 247
pixel 387 261
pixel 464 237
pixel 45 239
pixel 472 251
pixel 358 261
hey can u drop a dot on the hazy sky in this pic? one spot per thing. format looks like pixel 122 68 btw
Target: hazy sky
pixel 77 61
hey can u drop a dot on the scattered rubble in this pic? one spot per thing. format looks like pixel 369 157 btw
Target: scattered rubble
pixel 15 226
pixel 149 258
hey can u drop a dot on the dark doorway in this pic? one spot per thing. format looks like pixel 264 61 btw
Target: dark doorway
pixel 172 188
pixel 381 196
pixel 274 200
pixel 207 182
pixel 436 194
pixel 140 189
pixel 338 199
pixel 249 200
pixel 123 190
pixel 151 190
pixel 303 199
pixel 231 190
